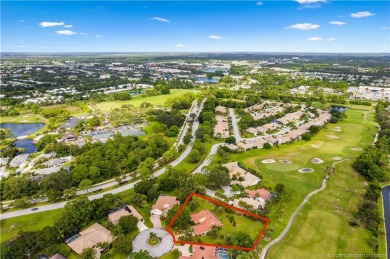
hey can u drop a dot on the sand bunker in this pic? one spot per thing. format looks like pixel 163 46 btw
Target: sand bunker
pixel 268 161
pixel 356 149
pixel 336 158
pixel 315 146
pixel 317 160
pixel 306 170
pixel 332 136
pixel 284 161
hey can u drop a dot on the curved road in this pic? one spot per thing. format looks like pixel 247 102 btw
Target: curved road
pixel 276 240
pixel 116 190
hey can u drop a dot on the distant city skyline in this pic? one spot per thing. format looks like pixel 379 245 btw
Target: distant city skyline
pixel 203 26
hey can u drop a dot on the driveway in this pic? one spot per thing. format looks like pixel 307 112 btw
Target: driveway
pixel 155 219
pixel 141 242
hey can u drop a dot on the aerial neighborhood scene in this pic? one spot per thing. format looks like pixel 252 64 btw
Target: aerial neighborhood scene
pixel 195 129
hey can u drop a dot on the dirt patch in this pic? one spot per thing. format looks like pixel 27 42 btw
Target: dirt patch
pixel 315 146
pixel 317 160
pixel 337 158
pixel 356 149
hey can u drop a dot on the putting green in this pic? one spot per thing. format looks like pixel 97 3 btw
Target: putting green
pixel 282 167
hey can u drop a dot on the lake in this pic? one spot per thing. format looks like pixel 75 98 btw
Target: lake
pixel 23 129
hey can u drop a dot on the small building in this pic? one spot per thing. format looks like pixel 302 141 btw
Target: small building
pixel 4 161
pixel 90 237
pixel 163 204
pixel 126 211
pixel 18 160
pixel 241 176
pixel 69 137
pixel 205 220
pixel 57 256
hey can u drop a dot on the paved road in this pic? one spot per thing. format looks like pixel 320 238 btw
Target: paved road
pixel 209 158
pixel 141 242
pixel 287 228
pixel 116 190
pixel 386 212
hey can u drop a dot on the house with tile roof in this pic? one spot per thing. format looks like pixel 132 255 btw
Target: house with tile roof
pixel 90 238
pixel 163 204
pixel 204 221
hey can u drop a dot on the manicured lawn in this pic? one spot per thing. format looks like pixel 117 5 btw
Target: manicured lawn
pixel 137 100
pixel 169 255
pixel 32 222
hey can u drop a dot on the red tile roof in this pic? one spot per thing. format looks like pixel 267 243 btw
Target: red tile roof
pixel 205 221
pixel 202 252
pixel 263 193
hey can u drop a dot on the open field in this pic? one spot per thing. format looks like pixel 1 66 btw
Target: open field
pixel 23 118
pixel 32 222
pixel 78 108
pixel 137 100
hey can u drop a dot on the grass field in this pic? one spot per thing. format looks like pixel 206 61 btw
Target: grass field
pixel 78 108
pixel 36 221
pixel 137 100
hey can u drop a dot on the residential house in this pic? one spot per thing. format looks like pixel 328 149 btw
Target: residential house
pixel 241 176
pixel 125 211
pixel 18 160
pixel 163 204
pixel 90 237
pixel 205 220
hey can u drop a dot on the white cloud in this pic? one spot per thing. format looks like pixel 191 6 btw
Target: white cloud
pixel 21 21
pixel 85 33
pixel 259 3
pixel 337 23
pixel 66 32
pixel 99 36
pixel 161 19
pixel 310 1
pixel 386 28
pixel 330 39
pixel 216 37
pixel 180 45
pixel 303 26
pixel 362 14
pixel 314 39
pixel 68 26
pixel 51 24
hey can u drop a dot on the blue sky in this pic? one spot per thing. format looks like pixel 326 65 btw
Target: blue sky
pixel 195 26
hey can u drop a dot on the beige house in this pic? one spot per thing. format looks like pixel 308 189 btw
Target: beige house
pixel 247 179
pixel 163 204
pixel 126 211
pixel 90 237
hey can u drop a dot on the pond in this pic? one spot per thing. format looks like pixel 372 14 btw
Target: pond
pixel 23 129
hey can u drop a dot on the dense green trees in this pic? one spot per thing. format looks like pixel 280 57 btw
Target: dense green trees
pixel 123 244
pixel 122 96
pixel 128 223
pixel 18 187
pixel 119 155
